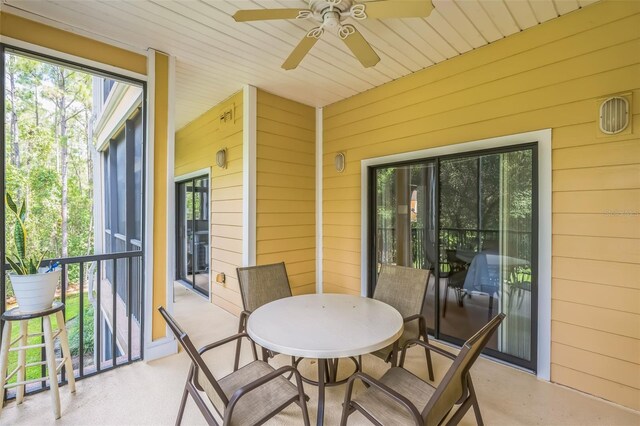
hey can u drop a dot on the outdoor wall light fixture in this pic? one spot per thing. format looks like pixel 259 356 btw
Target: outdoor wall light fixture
pixel 340 162
pixel 221 158
pixel 614 115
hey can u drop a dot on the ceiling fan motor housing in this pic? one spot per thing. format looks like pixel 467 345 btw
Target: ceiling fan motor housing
pixel 330 11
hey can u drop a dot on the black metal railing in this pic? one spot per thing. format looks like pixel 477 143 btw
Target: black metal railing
pixel 475 240
pixel 103 315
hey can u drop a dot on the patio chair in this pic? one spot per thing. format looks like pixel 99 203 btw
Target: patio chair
pixel 260 285
pixel 401 398
pixel 404 289
pixel 248 396
pixel 455 280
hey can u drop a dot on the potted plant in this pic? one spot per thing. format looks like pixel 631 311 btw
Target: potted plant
pixel 34 287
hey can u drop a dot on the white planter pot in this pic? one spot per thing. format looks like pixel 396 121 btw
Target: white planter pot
pixel 35 292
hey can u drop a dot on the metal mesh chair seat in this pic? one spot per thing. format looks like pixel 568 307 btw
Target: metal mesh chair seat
pixel 249 396
pixel 401 398
pixel 388 411
pixel 257 404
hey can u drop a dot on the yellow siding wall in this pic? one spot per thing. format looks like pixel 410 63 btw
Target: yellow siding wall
pixel 196 147
pixel 160 169
pixel 546 77
pixel 285 193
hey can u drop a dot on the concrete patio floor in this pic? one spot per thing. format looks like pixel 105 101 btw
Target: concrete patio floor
pixel 149 393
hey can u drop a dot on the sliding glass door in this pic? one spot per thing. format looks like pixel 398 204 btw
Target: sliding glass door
pixel 192 227
pixel 471 220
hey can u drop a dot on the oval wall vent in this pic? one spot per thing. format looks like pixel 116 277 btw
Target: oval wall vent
pixel 614 115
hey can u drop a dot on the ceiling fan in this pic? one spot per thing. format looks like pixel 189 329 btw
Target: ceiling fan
pixel 330 14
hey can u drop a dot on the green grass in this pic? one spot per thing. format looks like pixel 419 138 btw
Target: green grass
pixel 72 308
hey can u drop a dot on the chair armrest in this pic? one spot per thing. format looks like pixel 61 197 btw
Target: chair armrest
pixel 386 390
pixel 260 382
pixel 427 346
pixel 222 342
pixel 413 318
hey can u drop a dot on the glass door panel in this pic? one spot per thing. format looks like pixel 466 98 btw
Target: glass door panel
pixel 192 233
pixel 486 234
pixel 201 235
pixel 404 220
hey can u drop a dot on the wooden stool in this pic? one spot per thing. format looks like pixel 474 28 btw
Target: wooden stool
pixel 49 335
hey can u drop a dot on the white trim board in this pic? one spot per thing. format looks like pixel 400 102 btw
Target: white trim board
pixel 194 174
pixel 543 137
pixel 170 210
pixel 148 220
pixel 249 136
pixel 319 150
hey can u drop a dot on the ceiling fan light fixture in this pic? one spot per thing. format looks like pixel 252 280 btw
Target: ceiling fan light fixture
pixel 358 11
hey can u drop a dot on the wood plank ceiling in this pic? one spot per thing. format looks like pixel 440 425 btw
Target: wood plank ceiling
pixel 215 55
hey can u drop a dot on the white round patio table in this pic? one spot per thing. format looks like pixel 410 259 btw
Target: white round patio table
pixel 326 327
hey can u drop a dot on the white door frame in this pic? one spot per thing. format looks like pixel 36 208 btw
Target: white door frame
pixel 184 177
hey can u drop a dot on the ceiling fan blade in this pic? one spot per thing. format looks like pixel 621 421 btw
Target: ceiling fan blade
pixel 302 49
pixel 360 48
pixel 267 14
pixel 398 9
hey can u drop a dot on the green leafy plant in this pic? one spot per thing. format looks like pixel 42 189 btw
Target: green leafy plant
pixel 20 262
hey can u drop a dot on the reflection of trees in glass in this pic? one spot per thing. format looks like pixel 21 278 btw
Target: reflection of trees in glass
pixel 483 198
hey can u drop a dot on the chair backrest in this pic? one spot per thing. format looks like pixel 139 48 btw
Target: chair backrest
pixel 404 289
pixel 262 284
pixel 199 365
pixel 453 388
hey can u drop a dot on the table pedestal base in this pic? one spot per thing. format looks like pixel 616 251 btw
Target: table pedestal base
pixel 327 376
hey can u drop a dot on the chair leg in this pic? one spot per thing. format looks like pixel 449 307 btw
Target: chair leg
pixel 236 361
pixel 51 366
pixel 22 357
pixel 427 354
pixel 474 400
pixel 4 357
pixel 446 296
pixel 183 403
pixel 66 353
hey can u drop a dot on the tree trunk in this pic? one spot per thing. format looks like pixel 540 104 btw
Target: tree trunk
pixel 64 169
pixel 13 128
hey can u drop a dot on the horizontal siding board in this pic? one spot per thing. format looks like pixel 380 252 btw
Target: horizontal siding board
pixel 604 154
pixel 291 256
pixel 597 248
pixel 608 320
pixel 285 155
pixel 614 201
pixel 597 178
pixel 601 295
pixel 596 341
pixel 292 231
pixel 599 387
pixel 605 224
pixel 284 219
pixel 597 271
